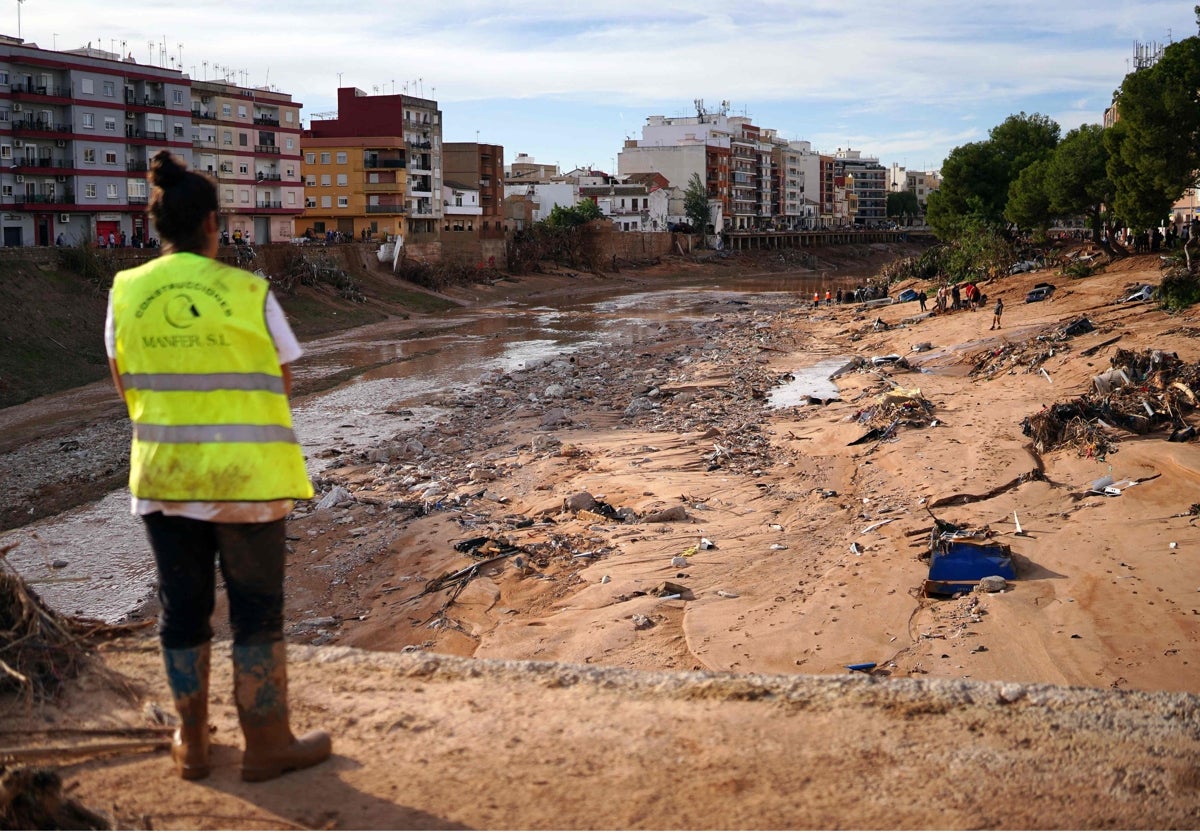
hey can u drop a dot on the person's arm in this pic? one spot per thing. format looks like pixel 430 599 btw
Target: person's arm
pixel 287 379
pixel 116 378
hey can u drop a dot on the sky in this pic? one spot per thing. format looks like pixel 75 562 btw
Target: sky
pixel 568 81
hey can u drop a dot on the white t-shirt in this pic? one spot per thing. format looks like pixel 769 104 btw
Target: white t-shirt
pixel 288 350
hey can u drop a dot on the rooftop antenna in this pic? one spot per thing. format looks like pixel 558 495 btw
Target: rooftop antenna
pixel 204 64
pixel 55 40
pixel 339 80
pixel 150 49
pixel 19 4
pixel 180 46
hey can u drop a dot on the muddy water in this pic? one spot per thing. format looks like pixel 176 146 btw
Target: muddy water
pixel 93 560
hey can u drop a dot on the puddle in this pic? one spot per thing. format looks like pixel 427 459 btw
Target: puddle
pixel 811 382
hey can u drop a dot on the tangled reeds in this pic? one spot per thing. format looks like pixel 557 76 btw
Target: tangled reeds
pixel 39 649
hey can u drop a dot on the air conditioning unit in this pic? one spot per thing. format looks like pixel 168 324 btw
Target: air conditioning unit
pixel 17 108
pixel 62 179
pixel 64 217
pixel 206 99
pixel 20 179
pixel 62 144
pixel 17 144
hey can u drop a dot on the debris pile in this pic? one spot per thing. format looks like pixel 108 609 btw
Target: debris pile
pixel 1141 392
pixel 1027 356
pixel 39 650
pixel 892 408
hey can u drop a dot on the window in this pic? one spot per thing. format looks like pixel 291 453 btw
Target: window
pixel 177 97
pixel 325 157
pixel 135 188
pixel 342 179
pixel 310 158
pixel 243 138
pixel 228 197
pixel 226 111
pixel 89 120
pixel 325 181
pixel 110 123
pixel 178 129
pixel 287 117
pixel 3 77
pixel 290 144
pixel 343 201
pixel 86 86
pixel 242 111
pixel 6 191
pixel 291 172
pixel 325 201
pixel 341 157
pixel 243 168
pixel 89 190
pixel 4 115
pixel 310 180
pixel 227 138
pixel 110 158
pixel 291 199
pixel 244 196
pixel 109 90
pixel 112 191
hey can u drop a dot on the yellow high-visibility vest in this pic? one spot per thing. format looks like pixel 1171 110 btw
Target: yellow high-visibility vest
pixel 203 385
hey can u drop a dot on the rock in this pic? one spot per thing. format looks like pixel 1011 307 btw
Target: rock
pixel 671 514
pixel 554 417
pixel 545 443
pixel 992 583
pixel 1011 692
pixel 554 392
pixel 583 500
pixel 679 562
pixel 640 405
pixel 642 622
pixel 58 564
pixel 336 496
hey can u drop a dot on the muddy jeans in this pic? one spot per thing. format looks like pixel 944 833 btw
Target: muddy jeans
pixel 251 557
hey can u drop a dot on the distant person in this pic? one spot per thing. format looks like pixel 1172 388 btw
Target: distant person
pixel 996 313
pixel 200 352
pixel 60 241
pixel 921 298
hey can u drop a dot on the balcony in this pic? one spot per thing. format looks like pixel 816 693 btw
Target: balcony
pixel 44 126
pixel 42 200
pixel 266 150
pixel 269 205
pixel 268 176
pixel 265 120
pixel 137 200
pixel 384 163
pixel 40 90
pixel 41 163
pixel 200 114
pixel 392 210
pixel 136 166
pixel 145 100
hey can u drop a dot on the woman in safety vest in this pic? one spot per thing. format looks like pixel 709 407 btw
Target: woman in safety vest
pixel 199 351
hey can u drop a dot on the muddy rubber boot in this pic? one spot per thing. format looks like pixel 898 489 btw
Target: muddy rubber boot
pixel 260 690
pixel 187 675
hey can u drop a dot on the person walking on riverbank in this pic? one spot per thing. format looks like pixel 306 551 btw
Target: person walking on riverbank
pixel 200 352
pixel 996 313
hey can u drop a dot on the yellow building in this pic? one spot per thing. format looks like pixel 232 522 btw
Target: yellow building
pixel 354 187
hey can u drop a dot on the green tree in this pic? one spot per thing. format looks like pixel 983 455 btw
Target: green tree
pixel 902 205
pixel 569 217
pixel 1155 151
pixel 976 177
pixel 1028 204
pixel 695 204
pixel 1077 181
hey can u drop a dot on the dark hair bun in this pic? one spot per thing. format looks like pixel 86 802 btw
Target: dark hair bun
pixel 166 170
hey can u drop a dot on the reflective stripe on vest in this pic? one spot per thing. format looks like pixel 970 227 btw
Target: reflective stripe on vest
pixel 202 382
pixel 228 433
pixel 203 385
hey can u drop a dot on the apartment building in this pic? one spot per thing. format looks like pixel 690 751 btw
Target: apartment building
pixel 479 166
pixel 374 168
pixel 248 139
pixel 866 184
pixel 77 128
